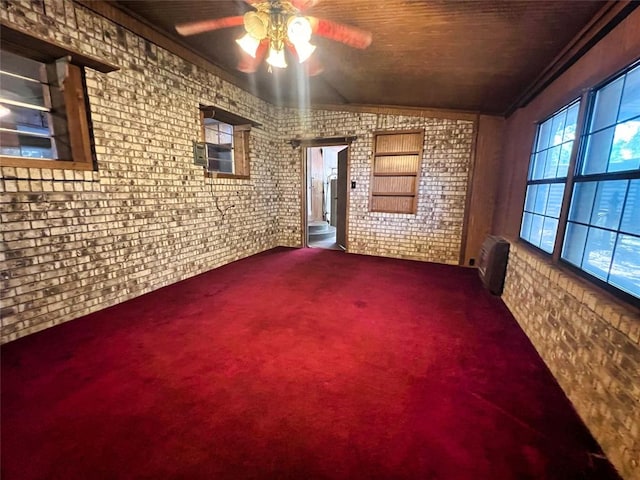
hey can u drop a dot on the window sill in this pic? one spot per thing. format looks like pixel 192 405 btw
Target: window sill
pixel 50 164
pixel 226 175
pixel 576 277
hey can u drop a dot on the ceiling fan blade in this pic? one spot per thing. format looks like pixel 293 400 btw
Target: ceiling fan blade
pixel 193 28
pixel 304 4
pixel 314 66
pixel 352 36
pixel 298 4
pixel 247 63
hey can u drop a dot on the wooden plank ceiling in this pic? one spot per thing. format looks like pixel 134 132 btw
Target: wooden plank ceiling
pixel 473 55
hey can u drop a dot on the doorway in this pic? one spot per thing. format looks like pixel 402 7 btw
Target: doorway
pixel 326 197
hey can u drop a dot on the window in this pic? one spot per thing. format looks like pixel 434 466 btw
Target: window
pixel 599 223
pixel 548 169
pixel 43 116
pixel 226 143
pixel 603 228
pixel 396 165
pixel 218 137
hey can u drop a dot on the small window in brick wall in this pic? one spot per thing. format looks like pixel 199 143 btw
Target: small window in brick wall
pixel 44 114
pixel 226 143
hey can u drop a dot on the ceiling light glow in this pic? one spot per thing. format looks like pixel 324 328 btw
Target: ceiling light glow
pixel 276 58
pixel 249 44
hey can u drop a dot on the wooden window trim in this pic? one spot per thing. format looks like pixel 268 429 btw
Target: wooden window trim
pixel 22 43
pixel 77 126
pixel 412 174
pixel 241 130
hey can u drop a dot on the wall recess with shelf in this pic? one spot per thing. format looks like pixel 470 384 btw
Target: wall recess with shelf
pixel 395 174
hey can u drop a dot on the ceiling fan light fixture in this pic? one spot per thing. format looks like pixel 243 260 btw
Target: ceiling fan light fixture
pixel 276 58
pixel 298 29
pixel 249 44
pixel 304 50
pixel 273 26
pixel 256 24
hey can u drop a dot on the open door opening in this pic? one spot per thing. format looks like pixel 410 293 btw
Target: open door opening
pixel 326 197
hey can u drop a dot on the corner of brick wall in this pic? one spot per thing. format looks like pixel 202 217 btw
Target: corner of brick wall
pixel 590 343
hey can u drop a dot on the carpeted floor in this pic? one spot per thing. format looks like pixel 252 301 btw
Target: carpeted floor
pixel 293 364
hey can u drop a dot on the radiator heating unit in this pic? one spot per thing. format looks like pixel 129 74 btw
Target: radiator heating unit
pixel 492 263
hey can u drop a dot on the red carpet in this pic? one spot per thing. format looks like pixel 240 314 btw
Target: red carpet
pixel 293 364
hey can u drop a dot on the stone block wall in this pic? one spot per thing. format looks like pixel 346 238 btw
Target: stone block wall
pixel 591 344
pixel 434 233
pixel 76 242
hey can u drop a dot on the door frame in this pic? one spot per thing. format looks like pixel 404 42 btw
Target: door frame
pixel 318 143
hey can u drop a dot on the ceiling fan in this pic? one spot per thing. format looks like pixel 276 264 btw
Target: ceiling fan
pixel 278 25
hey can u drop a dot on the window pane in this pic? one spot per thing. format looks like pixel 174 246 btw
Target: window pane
pixel 630 106
pixel 26 120
pixel 625 152
pixel 543 135
pixel 226 139
pixel 21 90
pixel 598 250
pixel 557 128
pixel 574 242
pixel 582 201
pixel 541 199
pixel 598 149
pixel 606 105
pixel 607 207
pixel 218 165
pixel 536 229
pixel 608 245
pixel 23 145
pixel 551 163
pixel 218 151
pixel 631 216
pixel 226 128
pixel 554 203
pixel 625 269
pixel 529 202
pixel 18 65
pixel 570 124
pixel 538 165
pixel 549 229
pixel 549 160
pixel 211 135
pixel 525 230
pixel 565 157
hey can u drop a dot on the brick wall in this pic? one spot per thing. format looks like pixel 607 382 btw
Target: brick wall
pixel 77 242
pixel 435 232
pixel 590 343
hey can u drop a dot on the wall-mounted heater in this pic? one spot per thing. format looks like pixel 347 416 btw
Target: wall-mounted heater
pixel 492 263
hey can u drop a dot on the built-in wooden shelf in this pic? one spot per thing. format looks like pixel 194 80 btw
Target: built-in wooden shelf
pixel 396 166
